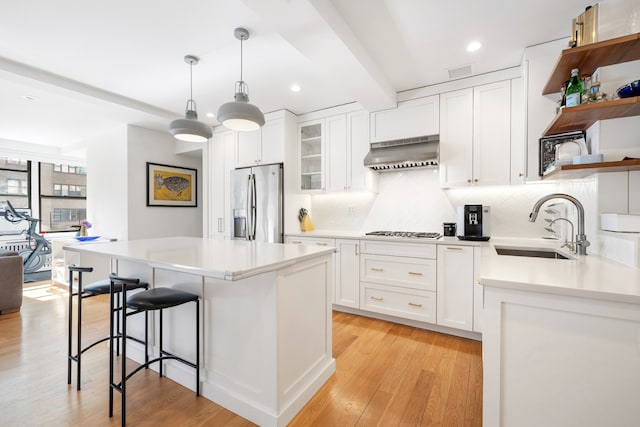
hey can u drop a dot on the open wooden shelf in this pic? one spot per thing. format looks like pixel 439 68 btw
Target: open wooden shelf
pixel 582 116
pixel 590 57
pixel 581 171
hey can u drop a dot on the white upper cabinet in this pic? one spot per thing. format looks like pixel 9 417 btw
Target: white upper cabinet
pixel 248 148
pixel 492 133
pixel 332 151
pixel 456 138
pixel 347 141
pixel 336 142
pixel 416 117
pixel 359 177
pixel 475 137
pixel 518 141
pixel 311 155
pixel 262 146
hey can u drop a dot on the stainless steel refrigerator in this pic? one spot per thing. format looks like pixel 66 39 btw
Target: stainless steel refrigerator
pixel 257 203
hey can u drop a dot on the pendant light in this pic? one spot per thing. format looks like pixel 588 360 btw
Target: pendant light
pixel 239 114
pixel 190 129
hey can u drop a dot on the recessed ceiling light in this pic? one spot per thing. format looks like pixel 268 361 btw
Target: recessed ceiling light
pixel 295 88
pixel 473 46
pixel 211 115
pixel 29 97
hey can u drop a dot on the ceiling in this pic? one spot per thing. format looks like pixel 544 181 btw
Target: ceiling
pixel 92 66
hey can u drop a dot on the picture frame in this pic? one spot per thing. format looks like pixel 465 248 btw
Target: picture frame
pixel 171 186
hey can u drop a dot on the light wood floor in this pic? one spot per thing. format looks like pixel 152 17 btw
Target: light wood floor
pixel 387 375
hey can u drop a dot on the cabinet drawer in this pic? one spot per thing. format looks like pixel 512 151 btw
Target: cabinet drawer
pixel 399 271
pixel 401 249
pixel 405 303
pixel 320 241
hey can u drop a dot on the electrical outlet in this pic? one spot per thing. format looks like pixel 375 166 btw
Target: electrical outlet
pixel 351 210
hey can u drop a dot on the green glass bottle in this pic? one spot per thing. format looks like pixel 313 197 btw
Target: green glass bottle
pixel 574 89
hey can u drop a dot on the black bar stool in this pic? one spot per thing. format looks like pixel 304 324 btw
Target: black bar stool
pixel 145 301
pixel 101 287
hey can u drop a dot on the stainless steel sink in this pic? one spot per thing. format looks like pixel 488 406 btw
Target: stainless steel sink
pixel 532 252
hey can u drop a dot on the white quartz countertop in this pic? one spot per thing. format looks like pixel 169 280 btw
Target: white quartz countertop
pixel 361 235
pixel 219 258
pixel 588 276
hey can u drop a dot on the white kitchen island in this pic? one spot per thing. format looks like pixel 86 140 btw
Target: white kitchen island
pixel 561 340
pixel 265 322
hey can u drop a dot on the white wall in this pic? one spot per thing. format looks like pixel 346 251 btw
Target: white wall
pixel 154 221
pixel 116 182
pixel 107 184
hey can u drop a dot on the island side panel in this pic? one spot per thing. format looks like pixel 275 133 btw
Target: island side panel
pixel 560 360
pixel 240 346
pixel 305 359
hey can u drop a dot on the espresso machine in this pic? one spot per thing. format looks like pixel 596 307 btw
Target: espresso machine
pixel 473 222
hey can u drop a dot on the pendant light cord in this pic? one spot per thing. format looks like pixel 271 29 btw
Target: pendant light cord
pixel 241 40
pixel 191 79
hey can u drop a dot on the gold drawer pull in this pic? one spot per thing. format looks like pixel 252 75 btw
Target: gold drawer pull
pixel 297 242
pixel 415 305
pixel 377 268
pixel 321 244
pixel 415 273
pixel 449 248
pixel 377 298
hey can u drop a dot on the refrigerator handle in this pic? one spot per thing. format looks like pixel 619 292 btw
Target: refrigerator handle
pixel 247 230
pixel 253 207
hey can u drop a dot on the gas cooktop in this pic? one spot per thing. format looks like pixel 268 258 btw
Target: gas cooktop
pixel 410 234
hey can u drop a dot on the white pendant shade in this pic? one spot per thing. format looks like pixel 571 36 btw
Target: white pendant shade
pixel 190 129
pixel 240 114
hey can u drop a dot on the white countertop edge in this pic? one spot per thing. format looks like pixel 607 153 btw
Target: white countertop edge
pixel 219 274
pixel 585 276
pixel 563 291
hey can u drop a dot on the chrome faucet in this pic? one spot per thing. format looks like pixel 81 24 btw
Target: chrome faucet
pixel 581 240
pixel 571 245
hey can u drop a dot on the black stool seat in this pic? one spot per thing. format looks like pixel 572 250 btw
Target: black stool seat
pixel 102 287
pixel 159 298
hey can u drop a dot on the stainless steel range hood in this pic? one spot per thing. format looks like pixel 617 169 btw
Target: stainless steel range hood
pixel 416 152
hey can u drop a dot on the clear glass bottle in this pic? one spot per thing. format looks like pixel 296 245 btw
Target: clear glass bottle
pixel 574 89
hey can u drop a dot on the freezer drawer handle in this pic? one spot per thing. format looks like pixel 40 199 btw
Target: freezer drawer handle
pixel 415 273
pixel 377 268
pixel 377 298
pixel 413 304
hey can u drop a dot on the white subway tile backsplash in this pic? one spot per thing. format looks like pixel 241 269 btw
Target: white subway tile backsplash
pixel 413 200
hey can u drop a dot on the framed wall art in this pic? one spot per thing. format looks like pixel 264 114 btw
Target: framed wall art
pixel 171 186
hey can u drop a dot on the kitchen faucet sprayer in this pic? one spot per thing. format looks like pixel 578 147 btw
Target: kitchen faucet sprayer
pixel 581 239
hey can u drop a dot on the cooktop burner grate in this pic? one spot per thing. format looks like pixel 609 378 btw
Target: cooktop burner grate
pixel 409 234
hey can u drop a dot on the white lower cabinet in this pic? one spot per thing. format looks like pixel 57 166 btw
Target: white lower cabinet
pixel 455 286
pixel 398 301
pixel 431 283
pixel 320 241
pixel 220 166
pixel 347 266
pixel 398 285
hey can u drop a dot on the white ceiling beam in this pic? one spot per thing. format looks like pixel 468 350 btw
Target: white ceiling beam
pixel 18 72
pixel 317 31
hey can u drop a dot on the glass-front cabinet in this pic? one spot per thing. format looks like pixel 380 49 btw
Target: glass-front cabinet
pixel 311 155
